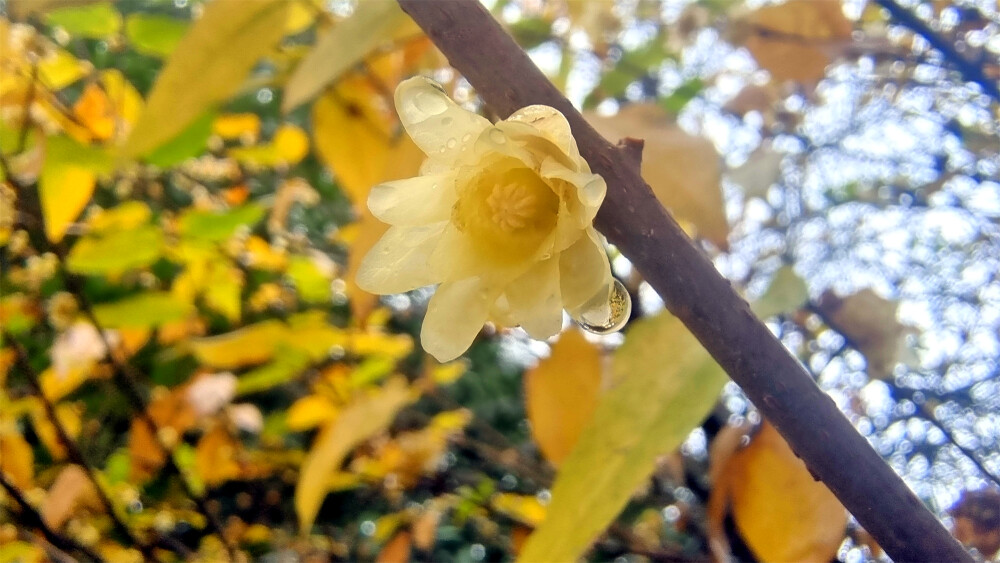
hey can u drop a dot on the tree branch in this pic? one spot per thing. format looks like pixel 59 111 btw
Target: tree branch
pixel 970 70
pixel 693 290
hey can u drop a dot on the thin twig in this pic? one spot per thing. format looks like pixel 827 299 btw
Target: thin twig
pixel 697 294
pixel 73 452
pixel 32 519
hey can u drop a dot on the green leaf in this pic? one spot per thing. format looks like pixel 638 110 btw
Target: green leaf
pixel 664 385
pixel 288 363
pixel 786 293
pixel 531 32
pixel 116 252
pixel 187 144
pixel 153 34
pixel 143 310
pixel 686 92
pixel 208 66
pixel 217 227
pixel 311 283
pixel 361 420
pixel 69 176
pixel 341 48
pixel 97 21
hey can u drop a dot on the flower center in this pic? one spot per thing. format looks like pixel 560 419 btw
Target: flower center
pixel 512 206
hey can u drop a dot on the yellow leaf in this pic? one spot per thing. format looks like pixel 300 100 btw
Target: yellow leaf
pixel 250 345
pixel 561 394
pixel 148 309
pixel 126 216
pixel 798 39
pixel 59 69
pixel 370 230
pixel 93 111
pixel 208 65
pixel 361 420
pixel 869 322
pixel 68 178
pixel 526 509
pixel 665 385
pixel 341 48
pixel 114 252
pixel 768 488
pixel 56 385
pixel 215 456
pixel 310 411
pixel 17 460
pixel 684 171
pixel 69 419
pixel 260 255
pixel 289 145
pixel 237 126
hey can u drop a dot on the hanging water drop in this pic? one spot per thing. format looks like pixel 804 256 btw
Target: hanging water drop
pixel 429 103
pixel 605 314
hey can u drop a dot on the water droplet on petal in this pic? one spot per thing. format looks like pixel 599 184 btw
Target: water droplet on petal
pixel 497 136
pixel 451 143
pixel 466 137
pixel 430 103
pixel 605 314
pixel 446 121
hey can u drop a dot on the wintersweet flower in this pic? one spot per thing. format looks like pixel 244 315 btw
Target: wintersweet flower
pixel 501 217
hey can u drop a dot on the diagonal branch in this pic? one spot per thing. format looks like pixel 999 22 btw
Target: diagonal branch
pixel 694 291
pixel 970 70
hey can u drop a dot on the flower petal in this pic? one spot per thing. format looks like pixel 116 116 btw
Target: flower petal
pixel 584 270
pixel 399 260
pixel 414 201
pixel 590 188
pixel 456 257
pixel 552 124
pixel 455 315
pixel 439 126
pixel 534 300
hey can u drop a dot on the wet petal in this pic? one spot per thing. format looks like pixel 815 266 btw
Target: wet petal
pixel 455 316
pixel 456 257
pixel 590 188
pixel 535 302
pixel 439 126
pixel 552 124
pixel 584 270
pixel 414 201
pixel 399 260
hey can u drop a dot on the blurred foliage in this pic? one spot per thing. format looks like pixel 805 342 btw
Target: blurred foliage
pixel 188 371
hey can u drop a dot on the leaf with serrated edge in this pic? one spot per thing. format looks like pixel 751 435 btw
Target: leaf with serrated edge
pixel 665 385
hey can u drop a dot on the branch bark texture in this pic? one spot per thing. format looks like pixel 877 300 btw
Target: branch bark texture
pixel 694 291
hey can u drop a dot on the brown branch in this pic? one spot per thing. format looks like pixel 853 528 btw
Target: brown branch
pixel 694 291
pixel 32 519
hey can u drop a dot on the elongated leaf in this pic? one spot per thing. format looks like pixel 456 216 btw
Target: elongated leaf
pixel 96 20
pixel 358 422
pixel 116 252
pixel 154 34
pixel 143 310
pixel 341 48
pixel 208 66
pixel 68 178
pixel 561 394
pixel 665 385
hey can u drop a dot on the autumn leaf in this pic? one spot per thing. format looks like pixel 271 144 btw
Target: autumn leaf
pixel 798 39
pixel 665 383
pixel 684 171
pixel 361 420
pixel 341 48
pixel 869 322
pixel 767 487
pixel 71 490
pixel 786 294
pixel 220 49
pixel 561 393
pixel 17 460
pixel 69 176
pixel 216 456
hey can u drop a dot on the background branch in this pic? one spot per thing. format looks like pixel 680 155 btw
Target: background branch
pixel 693 290
pixel 970 70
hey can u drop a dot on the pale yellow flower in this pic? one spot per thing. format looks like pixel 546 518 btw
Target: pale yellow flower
pixel 501 217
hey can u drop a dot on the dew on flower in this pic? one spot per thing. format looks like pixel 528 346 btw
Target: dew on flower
pixel 605 315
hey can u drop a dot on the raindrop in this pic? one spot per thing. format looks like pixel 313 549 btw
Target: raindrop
pixel 604 315
pixel 451 143
pixel 368 528
pixel 466 137
pixel 497 136
pixel 430 103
